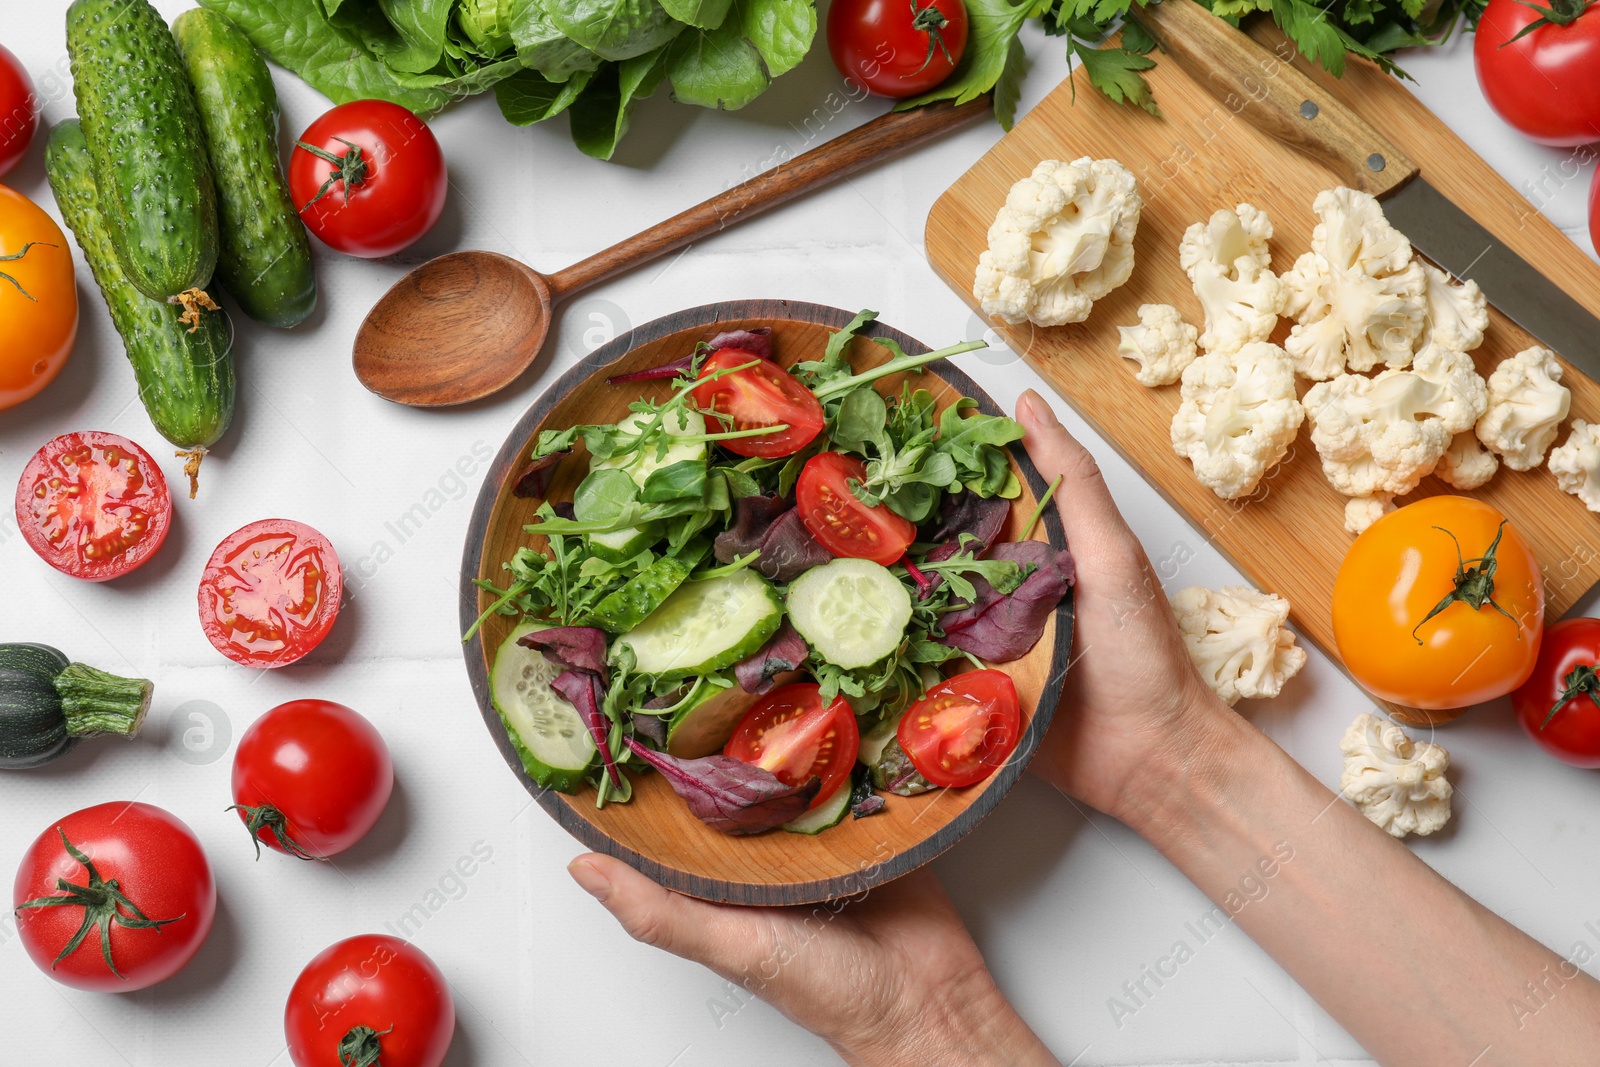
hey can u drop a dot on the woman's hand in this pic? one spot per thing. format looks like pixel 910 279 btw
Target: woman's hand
pixel 888 978
pixel 1134 710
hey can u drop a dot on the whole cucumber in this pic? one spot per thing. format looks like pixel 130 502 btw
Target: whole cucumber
pixel 144 135
pixel 185 378
pixel 264 258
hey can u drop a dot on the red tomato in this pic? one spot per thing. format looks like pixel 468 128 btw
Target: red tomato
pixel 964 729
pixel 792 735
pixel 838 519
pixel 369 178
pixel 19 110
pixel 897 48
pixel 157 897
pixel 270 593
pixel 1594 211
pixel 310 778
pixel 369 996
pixel 1546 83
pixel 763 395
pixel 93 505
pixel 1559 704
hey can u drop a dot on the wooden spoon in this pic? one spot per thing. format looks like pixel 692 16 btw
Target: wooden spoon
pixel 466 324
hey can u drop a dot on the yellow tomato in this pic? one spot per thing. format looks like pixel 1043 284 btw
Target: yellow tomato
pixel 1404 567
pixel 38 299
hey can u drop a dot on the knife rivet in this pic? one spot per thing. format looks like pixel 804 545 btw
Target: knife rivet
pixel 1309 109
pixel 1376 161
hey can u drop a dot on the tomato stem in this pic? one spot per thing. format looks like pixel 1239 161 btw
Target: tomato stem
pixel 1555 13
pixel 103 903
pixel 360 1047
pixel 352 168
pixel 1474 584
pixel 1582 680
pixel 267 817
pixel 930 20
pixel 13 257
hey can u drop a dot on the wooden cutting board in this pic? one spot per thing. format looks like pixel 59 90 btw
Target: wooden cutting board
pixel 1289 537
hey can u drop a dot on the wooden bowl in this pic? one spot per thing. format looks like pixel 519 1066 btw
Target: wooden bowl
pixel 655 832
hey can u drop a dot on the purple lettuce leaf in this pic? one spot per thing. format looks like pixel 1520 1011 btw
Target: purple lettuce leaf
pixel 572 648
pixel 582 689
pixel 869 806
pixel 999 628
pixel 925 583
pixel 757 342
pixel 733 796
pixel 564 509
pixel 752 517
pixel 966 513
pixel 649 727
pixel 785 652
pixel 676 367
pixel 534 481
pixel 763 523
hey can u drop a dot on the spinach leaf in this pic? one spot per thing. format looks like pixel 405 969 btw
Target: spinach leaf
pixel 614 29
pixel 716 68
pixel 781 30
pixel 606 495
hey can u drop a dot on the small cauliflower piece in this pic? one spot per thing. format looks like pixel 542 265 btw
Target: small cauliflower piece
pixel 1238 416
pixel 1238 639
pixel 1226 258
pixel 1380 436
pixel 1576 463
pixel 1358 297
pixel 1526 405
pixel 1362 511
pixel 1396 782
pixel 1063 240
pixel 1162 343
pixel 1457 314
pixel 1466 464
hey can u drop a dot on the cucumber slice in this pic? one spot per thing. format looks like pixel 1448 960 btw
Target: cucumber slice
pixel 705 726
pixel 706 625
pixel 555 746
pixel 830 812
pixel 852 612
pixel 640 465
pixel 620 545
pixel 875 740
pixel 647 590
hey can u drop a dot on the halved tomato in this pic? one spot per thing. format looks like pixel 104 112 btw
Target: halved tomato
pixel 839 520
pixel 93 505
pixel 762 395
pixel 964 729
pixel 792 735
pixel 270 593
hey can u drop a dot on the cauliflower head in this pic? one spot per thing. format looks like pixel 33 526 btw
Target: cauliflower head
pixel 1358 297
pixel 1458 312
pixel 1526 405
pixel 1396 782
pixel 1362 511
pixel 1238 639
pixel 1380 436
pixel 1162 343
pixel 1063 240
pixel 1238 416
pixel 1466 464
pixel 1226 258
pixel 1576 463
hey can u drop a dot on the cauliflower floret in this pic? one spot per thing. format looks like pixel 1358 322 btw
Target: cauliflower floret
pixel 1576 463
pixel 1238 417
pixel 1466 464
pixel 1358 297
pixel 1237 638
pixel 1380 436
pixel 1063 240
pixel 1162 343
pixel 1457 314
pixel 1396 782
pixel 1526 405
pixel 1226 258
pixel 1362 511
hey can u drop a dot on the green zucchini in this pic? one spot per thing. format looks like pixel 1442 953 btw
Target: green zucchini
pixel 264 257
pixel 185 378
pixel 144 134
pixel 48 703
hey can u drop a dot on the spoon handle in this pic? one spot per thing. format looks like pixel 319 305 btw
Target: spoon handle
pixel 882 138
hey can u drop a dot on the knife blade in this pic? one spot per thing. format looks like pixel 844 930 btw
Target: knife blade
pixel 1260 85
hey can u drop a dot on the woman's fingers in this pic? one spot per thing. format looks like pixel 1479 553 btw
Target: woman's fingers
pixel 655 916
pixel 1088 513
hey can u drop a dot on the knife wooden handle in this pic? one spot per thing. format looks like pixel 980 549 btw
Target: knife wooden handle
pixel 1262 87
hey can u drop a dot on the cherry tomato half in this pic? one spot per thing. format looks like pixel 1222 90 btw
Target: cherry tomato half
pixel 1401 569
pixel 93 505
pixel 792 735
pixel 369 178
pixel 838 519
pixel 156 865
pixel 370 999
pixel 1557 704
pixel 38 298
pixel 964 729
pixel 19 110
pixel 1543 83
pixel 310 778
pixel 897 48
pixel 763 395
pixel 270 593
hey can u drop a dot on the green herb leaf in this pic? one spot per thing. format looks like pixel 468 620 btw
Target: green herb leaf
pixel 1115 72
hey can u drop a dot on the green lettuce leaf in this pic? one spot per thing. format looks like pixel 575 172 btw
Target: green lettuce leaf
pixel 614 29
pixel 716 68
pixel 419 29
pixel 600 114
pixel 781 30
pixel 528 97
pixel 707 14
pixel 545 48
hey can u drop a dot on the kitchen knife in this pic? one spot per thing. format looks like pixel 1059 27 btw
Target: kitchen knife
pixel 1261 86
